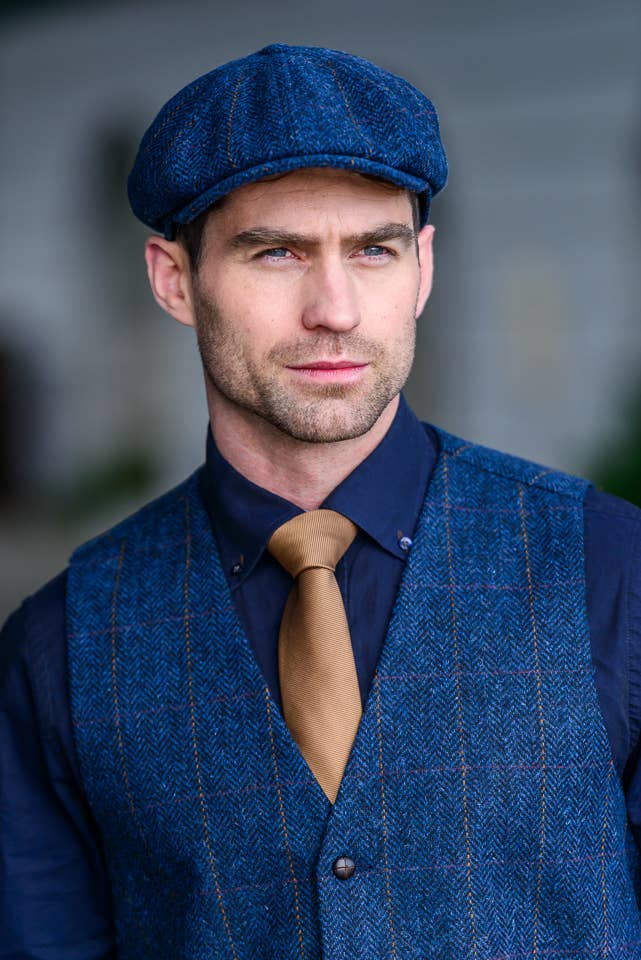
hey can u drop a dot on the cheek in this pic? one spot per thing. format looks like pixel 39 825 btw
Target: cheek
pixel 261 301
pixel 388 308
pixel 247 329
pixel 394 289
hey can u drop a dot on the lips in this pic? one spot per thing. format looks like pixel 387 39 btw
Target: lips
pixel 344 372
pixel 330 365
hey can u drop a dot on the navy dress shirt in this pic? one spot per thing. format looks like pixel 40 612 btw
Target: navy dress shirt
pixel 54 892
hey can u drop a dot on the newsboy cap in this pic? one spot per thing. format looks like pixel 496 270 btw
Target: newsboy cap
pixel 278 110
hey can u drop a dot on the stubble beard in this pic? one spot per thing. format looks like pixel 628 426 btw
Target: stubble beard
pixel 311 413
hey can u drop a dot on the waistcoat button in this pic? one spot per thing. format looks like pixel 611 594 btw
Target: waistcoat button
pixel 343 868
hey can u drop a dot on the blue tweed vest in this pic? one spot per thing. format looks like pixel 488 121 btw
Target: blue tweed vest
pixel 480 802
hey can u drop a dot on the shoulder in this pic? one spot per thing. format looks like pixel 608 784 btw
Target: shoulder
pixel 613 548
pixel 136 566
pixel 613 592
pixel 33 640
pixel 157 525
pixel 36 624
pixel 495 465
pixel 613 554
pixel 610 512
pixel 33 653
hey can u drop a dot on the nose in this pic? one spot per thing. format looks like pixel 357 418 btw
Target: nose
pixel 331 299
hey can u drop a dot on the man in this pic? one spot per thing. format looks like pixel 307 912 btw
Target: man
pixel 334 695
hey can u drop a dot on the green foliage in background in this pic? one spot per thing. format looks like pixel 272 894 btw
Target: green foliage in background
pixel 125 475
pixel 618 468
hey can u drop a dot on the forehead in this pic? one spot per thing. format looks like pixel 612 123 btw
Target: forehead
pixel 295 198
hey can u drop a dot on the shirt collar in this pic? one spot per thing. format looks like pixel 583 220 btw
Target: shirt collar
pixel 382 496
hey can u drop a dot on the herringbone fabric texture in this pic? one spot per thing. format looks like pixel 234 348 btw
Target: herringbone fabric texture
pixel 479 802
pixel 317 673
pixel 278 110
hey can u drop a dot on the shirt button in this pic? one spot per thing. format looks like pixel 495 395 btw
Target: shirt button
pixel 405 543
pixel 343 868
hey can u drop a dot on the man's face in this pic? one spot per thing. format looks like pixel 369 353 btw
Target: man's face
pixel 305 302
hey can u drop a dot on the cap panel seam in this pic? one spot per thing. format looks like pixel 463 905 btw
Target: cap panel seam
pixel 182 103
pixel 231 118
pixel 284 95
pixel 349 109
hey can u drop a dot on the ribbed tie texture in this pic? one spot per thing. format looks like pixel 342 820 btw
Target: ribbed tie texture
pixel 318 682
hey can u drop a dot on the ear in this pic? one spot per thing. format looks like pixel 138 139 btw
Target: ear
pixel 426 265
pixel 169 275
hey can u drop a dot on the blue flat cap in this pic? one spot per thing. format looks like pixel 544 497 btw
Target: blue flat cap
pixel 278 110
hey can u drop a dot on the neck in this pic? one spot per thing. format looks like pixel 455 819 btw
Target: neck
pixel 301 472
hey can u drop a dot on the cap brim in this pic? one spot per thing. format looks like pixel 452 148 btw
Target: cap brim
pixel 285 165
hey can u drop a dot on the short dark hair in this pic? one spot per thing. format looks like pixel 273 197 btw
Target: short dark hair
pixel 190 235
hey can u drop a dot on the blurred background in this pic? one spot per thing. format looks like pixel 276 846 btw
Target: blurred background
pixel 532 339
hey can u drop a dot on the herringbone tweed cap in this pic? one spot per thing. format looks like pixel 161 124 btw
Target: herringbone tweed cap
pixel 277 110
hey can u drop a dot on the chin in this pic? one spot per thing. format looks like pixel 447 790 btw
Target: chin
pixel 321 422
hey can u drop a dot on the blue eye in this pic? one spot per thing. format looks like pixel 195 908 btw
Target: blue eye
pixel 279 253
pixel 375 251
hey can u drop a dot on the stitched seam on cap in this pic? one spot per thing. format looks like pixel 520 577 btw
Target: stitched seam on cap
pixel 423 112
pixel 291 112
pixel 230 120
pixel 196 87
pixel 349 109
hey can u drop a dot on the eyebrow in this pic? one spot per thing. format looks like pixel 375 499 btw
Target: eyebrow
pixel 270 237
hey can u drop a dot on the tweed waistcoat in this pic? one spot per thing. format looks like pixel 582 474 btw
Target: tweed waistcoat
pixel 480 802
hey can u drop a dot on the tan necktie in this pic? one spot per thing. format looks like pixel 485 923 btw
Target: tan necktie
pixel 318 683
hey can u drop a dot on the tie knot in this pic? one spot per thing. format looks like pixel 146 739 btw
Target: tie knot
pixel 318 538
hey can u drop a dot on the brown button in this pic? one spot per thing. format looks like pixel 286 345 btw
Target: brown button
pixel 343 868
